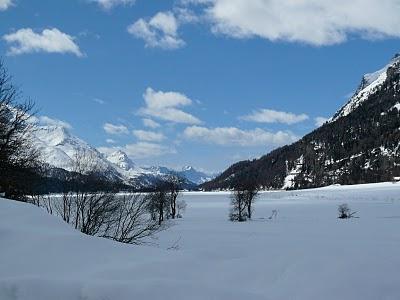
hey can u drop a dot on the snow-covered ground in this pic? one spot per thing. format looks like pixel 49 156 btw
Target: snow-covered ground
pixel 305 253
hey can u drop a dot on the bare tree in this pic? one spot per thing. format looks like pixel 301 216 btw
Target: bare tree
pixel 131 222
pixel 87 202
pixel 159 204
pixel 18 159
pixel 242 199
pixel 173 185
pixel 238 210
pixel 64 208
pixel 46 201
pixel 250 191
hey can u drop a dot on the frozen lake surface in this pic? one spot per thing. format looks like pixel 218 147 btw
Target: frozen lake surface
pixel 305 253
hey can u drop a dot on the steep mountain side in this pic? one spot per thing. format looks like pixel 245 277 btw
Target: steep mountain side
pixel 370 83
pixel 359 145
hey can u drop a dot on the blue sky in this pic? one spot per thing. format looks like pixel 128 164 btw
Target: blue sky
pixel 193 82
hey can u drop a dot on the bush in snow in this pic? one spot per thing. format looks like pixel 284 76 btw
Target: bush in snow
pixel 130 222
pixel 345 212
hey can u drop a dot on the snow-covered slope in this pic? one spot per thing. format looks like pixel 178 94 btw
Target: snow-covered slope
pixel 370 84
pixel 59 147
pixel 120 159
pixel 306 253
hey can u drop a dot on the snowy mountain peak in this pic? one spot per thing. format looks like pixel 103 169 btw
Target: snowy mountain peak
pixel 58 146
pixel 53 135
pixel 187 168
pixel 121 159
pixel 370 83
pixel 194 175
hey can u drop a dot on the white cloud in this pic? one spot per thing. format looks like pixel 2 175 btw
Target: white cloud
pixel 110 141
pixel 115 129
pixel 150 123
pixel 49 40
pixel 5 4
pixel 148 136
pixel 186 16
pixel 273 116
pixel 230 136
pixel 319 121
pixel 161 31
pixel 99 101
pixel 165 106
pixel 108 4
pixel 313 22
pixel 45 120
pixel 140 150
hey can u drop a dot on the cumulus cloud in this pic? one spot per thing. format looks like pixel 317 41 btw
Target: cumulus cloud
pixel 161 31
pixel 148 136
pixel 231 136
pixel 273 116
pixel 108 4
pixel 52 40
pixel 115 129
pixel 313 22
pixel 45 120
pixel 140 150
pixel 166 106
pixel 150 123
pixel 319 121
pixel 5 4
pixel 110 141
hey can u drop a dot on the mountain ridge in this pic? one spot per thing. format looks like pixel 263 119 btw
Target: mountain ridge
pixel 360 144
pixel 59 148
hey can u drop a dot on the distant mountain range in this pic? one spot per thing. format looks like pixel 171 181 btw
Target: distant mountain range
pixel 359 144
pixel 59 147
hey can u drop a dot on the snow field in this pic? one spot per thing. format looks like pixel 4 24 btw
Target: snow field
pixel 305 253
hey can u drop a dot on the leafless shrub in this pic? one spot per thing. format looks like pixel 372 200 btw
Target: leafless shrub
pixel 131 223
pixel 345 212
